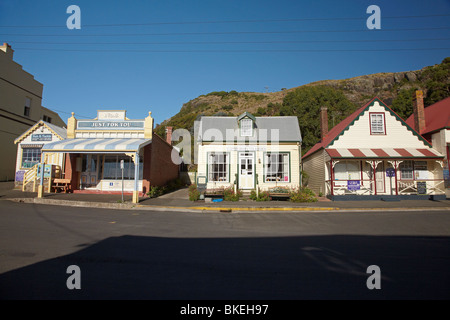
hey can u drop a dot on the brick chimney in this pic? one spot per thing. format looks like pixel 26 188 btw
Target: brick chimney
pixel 323 122
pixel 169 135
pixel 419 112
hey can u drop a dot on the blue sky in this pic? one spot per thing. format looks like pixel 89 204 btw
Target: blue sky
pixel 178 50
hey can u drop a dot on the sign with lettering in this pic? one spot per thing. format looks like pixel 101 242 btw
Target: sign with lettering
pixel 421 187
pixel 390 172
pixel 41 137
pixel 110 125
pixel 353 185
pixel 246 148
pixel 111 115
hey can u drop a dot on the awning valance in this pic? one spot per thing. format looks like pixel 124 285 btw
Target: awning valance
pixel 96 145
pixel 384 153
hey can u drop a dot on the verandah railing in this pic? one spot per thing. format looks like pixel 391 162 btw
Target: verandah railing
pixel 403 187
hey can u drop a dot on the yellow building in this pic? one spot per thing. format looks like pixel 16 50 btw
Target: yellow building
pixel 20 108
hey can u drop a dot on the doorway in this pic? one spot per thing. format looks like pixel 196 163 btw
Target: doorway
pixel 246 170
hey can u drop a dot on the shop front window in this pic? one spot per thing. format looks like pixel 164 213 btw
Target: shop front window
pixel 277 167
pixel 112 170
pixel 218 166
pixel 30 157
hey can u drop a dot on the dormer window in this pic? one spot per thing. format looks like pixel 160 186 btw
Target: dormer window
pixel 246 127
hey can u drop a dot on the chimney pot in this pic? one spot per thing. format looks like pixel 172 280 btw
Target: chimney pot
pixel 419 112
pixel 323 122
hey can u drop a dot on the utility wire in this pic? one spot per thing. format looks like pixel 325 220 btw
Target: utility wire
pixel 219 32
pixel 229 21
pixel 227 42
pixel 57 111
pixel 231 51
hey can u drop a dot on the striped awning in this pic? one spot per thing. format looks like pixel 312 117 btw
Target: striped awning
pixel 385 153
pixel 96 145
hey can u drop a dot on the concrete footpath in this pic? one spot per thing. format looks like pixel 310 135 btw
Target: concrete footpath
pixel 178 201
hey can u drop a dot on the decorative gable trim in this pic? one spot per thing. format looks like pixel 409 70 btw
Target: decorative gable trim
pixel 33 128
pixel 391 112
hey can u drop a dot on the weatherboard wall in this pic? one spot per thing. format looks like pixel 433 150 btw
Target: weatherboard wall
pixel 314 166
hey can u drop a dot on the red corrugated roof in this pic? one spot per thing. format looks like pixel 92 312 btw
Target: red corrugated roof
pixel 437 116
pixel 337 129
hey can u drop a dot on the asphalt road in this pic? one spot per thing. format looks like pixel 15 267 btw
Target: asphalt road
pixel 141 254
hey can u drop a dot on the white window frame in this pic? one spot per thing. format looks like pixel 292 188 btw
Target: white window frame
pixel 377 124
pixel 274 169
pixel 218 167
pixel 246 127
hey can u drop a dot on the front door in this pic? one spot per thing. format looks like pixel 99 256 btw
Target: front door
pixel 89 171
pixel 379 178
pixel 246 170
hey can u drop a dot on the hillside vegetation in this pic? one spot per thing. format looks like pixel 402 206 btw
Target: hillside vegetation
pixel 341 97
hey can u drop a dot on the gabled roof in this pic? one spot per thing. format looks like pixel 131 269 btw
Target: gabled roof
pixel 288 129
pixel 437 116
pixel 342 126
pixel 246 114
pixel 61 133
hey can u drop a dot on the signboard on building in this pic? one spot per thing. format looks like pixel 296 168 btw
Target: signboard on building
pixel 390 172
pixel 246 148
pixel 111 115
pixel 353 185
pixel 41 137
pixel 108 125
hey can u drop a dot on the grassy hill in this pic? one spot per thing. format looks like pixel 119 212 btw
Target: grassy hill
pixel 342 97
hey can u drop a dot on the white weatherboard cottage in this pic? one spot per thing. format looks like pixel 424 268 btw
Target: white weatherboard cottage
pixel 373 154
pixel 248 152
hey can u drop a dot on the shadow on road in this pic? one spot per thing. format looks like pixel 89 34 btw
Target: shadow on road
pixel 307 267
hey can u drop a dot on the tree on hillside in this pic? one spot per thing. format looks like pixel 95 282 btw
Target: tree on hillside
pixel 403 103
pixel 437 82
pixel 305 103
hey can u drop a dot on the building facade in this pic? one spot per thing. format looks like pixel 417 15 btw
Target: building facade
pixel 29 149
pixel 434 125
pixel 20 108
pixel 111 152
pixel 248 152
pixel 373 154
